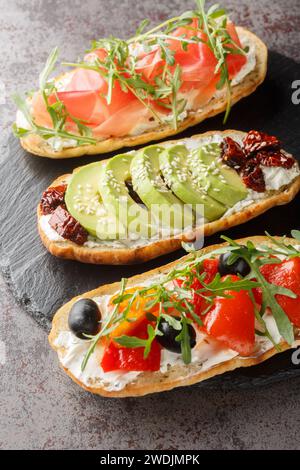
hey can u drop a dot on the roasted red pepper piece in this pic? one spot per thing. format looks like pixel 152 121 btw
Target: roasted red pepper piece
pixel 131 359
pixel 52 198
pixel 231 321
pixel 68 227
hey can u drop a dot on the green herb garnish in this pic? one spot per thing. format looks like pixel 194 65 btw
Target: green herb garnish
pixel 178 297
pixel 257 258
pixel 57 111
pixel 119 65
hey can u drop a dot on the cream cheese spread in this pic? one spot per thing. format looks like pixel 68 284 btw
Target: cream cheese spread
pixel 206 354
pixel 276 177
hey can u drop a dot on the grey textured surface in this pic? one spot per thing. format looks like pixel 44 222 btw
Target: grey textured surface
pixel 39 406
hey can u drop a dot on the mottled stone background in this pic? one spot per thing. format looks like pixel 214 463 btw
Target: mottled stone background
pixel 39 406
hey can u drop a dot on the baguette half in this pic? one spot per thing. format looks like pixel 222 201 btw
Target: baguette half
pixel 38 146
pixel 107 255
pixel 178 375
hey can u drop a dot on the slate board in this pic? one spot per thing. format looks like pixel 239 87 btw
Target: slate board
pixel 42 283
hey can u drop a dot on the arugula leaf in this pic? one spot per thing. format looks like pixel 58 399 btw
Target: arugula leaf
pixel 130 341
pixel 44 132
pixel 119 64
pixel 256 258
pixel 48 69
pixel 296 234
pixel 23 107
pixel 218 285
pixel 142 26
pixel 269 291
pixel 173 322
pixel 135 342
pixel 184 339
pixel 166 53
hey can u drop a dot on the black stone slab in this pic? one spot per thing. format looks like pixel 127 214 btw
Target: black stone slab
pixel 42 283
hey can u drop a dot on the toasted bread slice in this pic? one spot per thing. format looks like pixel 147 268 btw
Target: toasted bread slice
pixel 178 375
pixel 103 254
pixel 38 146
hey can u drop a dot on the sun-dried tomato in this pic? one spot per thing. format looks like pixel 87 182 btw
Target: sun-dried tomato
pixel 256 141
pixel 277 158
pixel 232 153
pixel 52 198
pixel 67 227
pixel 253 176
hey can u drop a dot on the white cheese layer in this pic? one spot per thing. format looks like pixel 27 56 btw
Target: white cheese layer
pixel 205 355
pixel 276 177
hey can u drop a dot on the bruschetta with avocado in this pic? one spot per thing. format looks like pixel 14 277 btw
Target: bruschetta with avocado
pixel 151 86
pixel 139 205
pixel 226 306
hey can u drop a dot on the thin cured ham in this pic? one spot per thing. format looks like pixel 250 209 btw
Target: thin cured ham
pixel 84 95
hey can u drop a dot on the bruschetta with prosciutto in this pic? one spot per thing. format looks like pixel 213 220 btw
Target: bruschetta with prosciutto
pixel 153 85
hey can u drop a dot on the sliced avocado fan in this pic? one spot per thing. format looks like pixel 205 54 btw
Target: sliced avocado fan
pixel 217 180
pixel 179 179
pixel 84 201
pixel 164 181
pixel 133 219
pixel 150 186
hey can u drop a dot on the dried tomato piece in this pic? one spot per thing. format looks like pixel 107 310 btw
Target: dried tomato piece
pixel 256 141
pixel 67 227
pixel 232 153
pixel 253 176
pixel 277 158
pixel 52 198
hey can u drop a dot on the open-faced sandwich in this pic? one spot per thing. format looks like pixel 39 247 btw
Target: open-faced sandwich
pixel 223 307
pixel 104 212
pixel 153 85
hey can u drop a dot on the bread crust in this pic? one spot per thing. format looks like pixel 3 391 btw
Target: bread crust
pixel 117 256
pixel 38 146
pixel 153 382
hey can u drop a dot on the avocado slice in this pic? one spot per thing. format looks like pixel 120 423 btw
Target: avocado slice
pixel 84 201
pixel 179 180
pixel 133 218
pixel 149 184
pixel 219 181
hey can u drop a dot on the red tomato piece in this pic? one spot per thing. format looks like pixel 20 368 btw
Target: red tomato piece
pixel 210 267
pixel 231 320
pixel 285 274
pixel 131 359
